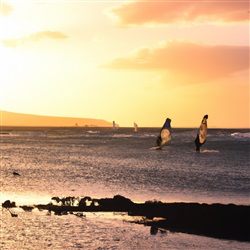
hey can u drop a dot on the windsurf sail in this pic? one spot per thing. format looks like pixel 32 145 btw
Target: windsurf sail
pixel 135 127
pixel 165 134
pixel 114 125
pixel 201 134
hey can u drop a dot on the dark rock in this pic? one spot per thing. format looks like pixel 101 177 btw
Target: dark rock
pixel 8 204
pixel 83 203
pixel 153 230
pixel 214 220
pixel 27 208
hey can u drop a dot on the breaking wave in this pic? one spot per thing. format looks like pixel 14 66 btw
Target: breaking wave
pixel 241 135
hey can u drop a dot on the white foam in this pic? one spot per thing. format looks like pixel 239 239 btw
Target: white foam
pixel 121 135
pixel 241 135
pixel 93 132
pixel 209 151
pixel 8 134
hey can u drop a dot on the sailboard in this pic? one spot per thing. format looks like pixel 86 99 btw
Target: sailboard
pixel 135 127
pixel 114 125
pixel 165 135
pixel 201 134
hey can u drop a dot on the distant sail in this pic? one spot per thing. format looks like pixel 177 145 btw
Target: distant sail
pixel 201 134
pixel 135 127
pixel 165 134
pixel 114 125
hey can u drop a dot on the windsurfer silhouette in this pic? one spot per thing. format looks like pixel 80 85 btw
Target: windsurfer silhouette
pixel 165 134
pixel 202 134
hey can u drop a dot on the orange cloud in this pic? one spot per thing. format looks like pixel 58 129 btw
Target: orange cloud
pixel 34 37
pixel 47 33
pixel 5 8
pixel 189 61
pixel 136 13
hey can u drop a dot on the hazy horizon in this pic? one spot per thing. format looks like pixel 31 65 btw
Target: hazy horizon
pixel 80 123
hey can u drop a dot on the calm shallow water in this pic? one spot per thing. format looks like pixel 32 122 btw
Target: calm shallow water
pixel 37 230
pixel 101 162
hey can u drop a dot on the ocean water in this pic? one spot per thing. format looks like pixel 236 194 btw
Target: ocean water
pixel 102 162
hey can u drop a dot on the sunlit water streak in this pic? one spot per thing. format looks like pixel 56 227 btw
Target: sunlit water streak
pixel 101 163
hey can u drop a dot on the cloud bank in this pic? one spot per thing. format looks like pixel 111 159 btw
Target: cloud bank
pixel 140 12
pixel 5 9
pixel 186 61
pixel 37 36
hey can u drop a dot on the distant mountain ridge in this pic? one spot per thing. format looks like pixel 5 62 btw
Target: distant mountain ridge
pixel 17 119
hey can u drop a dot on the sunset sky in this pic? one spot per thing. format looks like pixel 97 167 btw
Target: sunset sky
pixel 128 61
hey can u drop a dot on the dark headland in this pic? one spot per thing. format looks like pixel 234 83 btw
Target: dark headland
pixel 214 220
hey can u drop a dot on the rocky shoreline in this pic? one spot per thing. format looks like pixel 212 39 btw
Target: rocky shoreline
pixel 213 220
